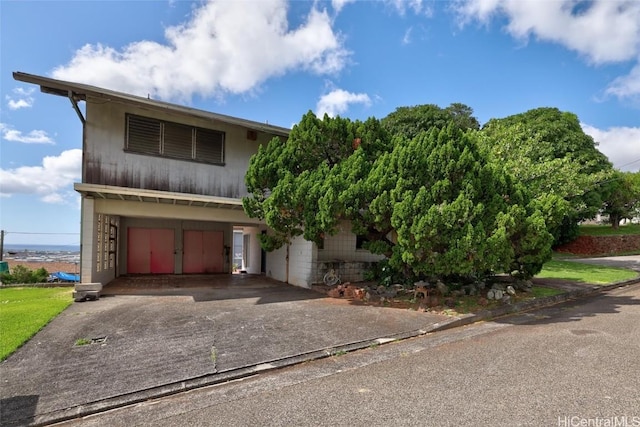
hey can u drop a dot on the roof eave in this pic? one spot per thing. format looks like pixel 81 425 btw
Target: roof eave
pixel 80 91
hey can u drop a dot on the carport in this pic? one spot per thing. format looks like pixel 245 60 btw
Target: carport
pixel 131 232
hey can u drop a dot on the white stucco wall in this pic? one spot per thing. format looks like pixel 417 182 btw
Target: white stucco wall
pixel 254 251
pixel 298 270
pixel 277 264
pixel 301 262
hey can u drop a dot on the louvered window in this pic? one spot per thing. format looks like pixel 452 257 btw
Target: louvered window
pixel 177 141
pixel 209 146
pixel 143 135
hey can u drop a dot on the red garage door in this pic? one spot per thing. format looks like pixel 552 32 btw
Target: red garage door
pixel 150 251
pixel 203 252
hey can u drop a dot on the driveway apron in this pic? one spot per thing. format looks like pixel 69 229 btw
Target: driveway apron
pixel 151 331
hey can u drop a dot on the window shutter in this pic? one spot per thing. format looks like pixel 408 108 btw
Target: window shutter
pixel 209 146
pixel 177 141
pixel 143 135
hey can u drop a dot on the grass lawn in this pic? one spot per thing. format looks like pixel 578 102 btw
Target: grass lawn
pixel 24 311
pixel 585 273
pixel 607 230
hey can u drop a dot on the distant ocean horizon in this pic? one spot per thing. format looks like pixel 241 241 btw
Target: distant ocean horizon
pixel 30 247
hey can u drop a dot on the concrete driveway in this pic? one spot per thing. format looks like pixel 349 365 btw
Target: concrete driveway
pixel 150 336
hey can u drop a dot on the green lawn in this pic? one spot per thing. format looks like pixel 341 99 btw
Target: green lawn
pixel 585 273
pixel 24 311
pixel 607 230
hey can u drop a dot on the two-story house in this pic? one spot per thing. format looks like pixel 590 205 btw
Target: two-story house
pixel 162 187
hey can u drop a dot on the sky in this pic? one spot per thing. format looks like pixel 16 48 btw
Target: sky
pixel 272 61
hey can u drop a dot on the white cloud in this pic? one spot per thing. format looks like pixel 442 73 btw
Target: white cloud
pixel 338 100
pixel 339 4
pixel 417 6
pixel 407 36
pixel 620 144
pixel 21 99
pixel 626 86
pixel 33 137
pixel 603 31
pixel 50 182
pixel 225 47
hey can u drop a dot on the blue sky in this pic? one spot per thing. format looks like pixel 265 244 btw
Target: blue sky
pixel 272 61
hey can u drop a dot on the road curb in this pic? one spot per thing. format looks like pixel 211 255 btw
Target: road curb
pixel 525 306
pixel 248 371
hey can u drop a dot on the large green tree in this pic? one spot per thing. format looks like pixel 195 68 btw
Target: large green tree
pixel 431 202
pixel 289 180
pixel 623 197
pixel 549 153
pixel 410 121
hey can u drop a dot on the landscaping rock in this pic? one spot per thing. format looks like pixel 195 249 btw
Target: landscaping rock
pixel 442 288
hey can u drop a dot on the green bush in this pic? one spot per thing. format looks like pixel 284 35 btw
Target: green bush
pixel 21 274
pixel 384 274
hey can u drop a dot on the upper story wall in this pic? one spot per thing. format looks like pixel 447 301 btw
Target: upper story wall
pixel 106 162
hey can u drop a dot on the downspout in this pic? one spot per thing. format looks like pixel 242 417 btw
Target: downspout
pixel 74 103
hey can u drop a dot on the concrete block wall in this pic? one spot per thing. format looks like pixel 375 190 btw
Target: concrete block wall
pixel 348 271
pixel 340 254
pixel 342 247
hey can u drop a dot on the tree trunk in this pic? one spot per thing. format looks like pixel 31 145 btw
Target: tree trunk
pixel 615 221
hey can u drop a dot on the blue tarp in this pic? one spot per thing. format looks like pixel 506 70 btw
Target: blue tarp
pixel 66 277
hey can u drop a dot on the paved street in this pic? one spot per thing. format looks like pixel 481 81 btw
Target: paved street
pixel 570 364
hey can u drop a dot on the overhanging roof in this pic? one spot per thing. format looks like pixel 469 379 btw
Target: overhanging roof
pixel 157 197
pixel 79 92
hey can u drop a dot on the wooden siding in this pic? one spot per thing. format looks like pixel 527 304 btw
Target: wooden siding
pixel 107 162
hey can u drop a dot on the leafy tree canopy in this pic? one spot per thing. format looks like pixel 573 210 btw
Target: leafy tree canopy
pixel 429 199
pixel 410 121
pixel 548 152
pixel 622 197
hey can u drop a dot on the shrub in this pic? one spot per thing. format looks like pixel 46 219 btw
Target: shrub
pixel 21 274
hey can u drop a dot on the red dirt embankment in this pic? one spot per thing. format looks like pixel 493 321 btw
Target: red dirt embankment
pixel 51 267
pixel 601 245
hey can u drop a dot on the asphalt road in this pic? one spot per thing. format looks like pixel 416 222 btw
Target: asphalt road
pixel 569 365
